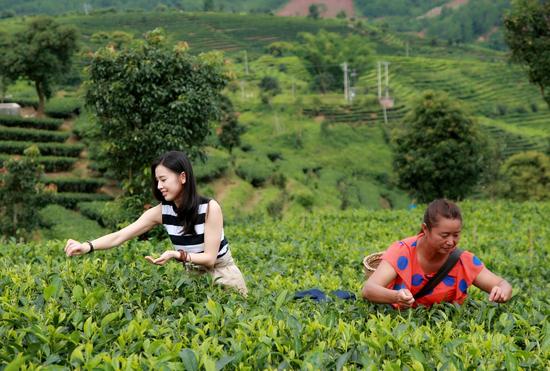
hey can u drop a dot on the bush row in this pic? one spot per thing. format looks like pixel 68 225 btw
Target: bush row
pixel 34 135
pixel 46 149
pixel 71 199
pixel 93 210
pixel 255 171
pixel 51 163
pixel 74 184
pixel 63 107
pixel 33 123
pixel 24 102
pixel 213 168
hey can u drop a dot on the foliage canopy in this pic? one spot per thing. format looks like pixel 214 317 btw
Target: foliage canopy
pixel 148 99
pixel 325 52
pixel 42 53
pixel 438 152
pixel 526 176
pixel 527 33
pixel 21 193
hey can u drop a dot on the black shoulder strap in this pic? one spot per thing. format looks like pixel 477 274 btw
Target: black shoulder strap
pixel 441 273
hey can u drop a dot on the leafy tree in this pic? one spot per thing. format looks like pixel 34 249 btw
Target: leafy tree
pixel 270 84
pixel 21 194
pixel 325 53
pixel 230 130
pixel 526 176
pixel 438 152
pixel 314 12
pixel 208 5
pixel 527 33
pixel 6 63
pixel 42 54
pixel 148 99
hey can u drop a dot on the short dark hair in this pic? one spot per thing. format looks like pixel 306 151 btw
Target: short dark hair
pixel 441 208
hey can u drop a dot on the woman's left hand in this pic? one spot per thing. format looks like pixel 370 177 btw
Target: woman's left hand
pixel 165 257
pixel 501 293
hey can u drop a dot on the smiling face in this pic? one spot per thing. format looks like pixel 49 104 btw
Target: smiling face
pixel 169 183
pixel 444 236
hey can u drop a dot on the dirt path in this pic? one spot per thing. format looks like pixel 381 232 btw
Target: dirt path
pixel 327 8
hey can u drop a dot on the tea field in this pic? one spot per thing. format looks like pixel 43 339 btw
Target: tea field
pixel 113 310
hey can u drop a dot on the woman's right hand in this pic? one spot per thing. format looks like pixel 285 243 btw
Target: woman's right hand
pixel 73 248
pixel 405 298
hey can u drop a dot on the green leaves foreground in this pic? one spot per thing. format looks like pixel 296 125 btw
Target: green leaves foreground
pixel 113 310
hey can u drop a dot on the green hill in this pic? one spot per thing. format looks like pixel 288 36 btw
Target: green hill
pixel 308 151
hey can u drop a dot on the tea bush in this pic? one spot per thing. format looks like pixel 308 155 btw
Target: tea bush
pixel 113 310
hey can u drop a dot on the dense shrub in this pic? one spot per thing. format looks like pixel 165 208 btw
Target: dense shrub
pixel 34 135
pixel 63 107
pixel 270 85
pixel 48 149
pixel 439 152
pixel 526 176
pixel 212 168
pixel 75 184
pixel 33 123
pixel 21 193
pixel 256 171
pixel 71 199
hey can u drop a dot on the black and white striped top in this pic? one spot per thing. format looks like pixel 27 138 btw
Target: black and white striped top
pixel 191 243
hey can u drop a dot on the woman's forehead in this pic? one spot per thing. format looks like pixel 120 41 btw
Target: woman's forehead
pixel 448 224
pixel 161 170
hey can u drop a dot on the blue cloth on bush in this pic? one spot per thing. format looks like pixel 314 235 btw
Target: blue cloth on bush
pixel 313 294
pixel 319 296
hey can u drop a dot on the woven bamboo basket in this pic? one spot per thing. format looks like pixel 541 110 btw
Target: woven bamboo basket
pixel 370 263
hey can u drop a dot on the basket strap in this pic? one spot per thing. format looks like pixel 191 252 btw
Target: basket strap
pixel 441 273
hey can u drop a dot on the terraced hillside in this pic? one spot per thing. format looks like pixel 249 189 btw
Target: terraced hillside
pixel 60 154
pixel 305 151
pixel 498 94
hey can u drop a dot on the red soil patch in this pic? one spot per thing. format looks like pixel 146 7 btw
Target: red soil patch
pixel 327 8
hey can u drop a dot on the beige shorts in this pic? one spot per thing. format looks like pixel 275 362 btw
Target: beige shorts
pixel 225 272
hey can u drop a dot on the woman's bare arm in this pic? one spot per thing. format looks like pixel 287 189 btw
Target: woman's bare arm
pixel 499 289
pixel 146 221
pixel 375 288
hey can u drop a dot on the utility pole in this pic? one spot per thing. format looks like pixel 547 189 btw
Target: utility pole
pixel 242 89
pixel 346 81
pixel 387 79
pixel 379 80
pixel 351 88
pixel 245 63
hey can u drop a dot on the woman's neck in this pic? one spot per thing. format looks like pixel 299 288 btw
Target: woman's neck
pixel 427 254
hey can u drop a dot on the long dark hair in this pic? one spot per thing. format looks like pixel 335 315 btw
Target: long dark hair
pixel 441 208
pixel 188 211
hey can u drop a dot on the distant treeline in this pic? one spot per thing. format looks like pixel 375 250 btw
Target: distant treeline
pixel 10 8
pixel 467 23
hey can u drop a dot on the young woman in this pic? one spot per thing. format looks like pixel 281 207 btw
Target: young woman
pixel 194 224
pixel 408 264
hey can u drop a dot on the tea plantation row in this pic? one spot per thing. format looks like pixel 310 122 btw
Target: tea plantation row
pixel 113 310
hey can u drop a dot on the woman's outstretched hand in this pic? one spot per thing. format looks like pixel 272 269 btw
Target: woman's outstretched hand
pixel 164 258
pixel 405 298
pixel 74 248
pixel 501 293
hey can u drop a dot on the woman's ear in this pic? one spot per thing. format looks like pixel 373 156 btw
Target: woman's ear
pixel 182 177
pixel 424 228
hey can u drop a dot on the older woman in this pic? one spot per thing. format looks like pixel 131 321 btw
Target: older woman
pixel 409 264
